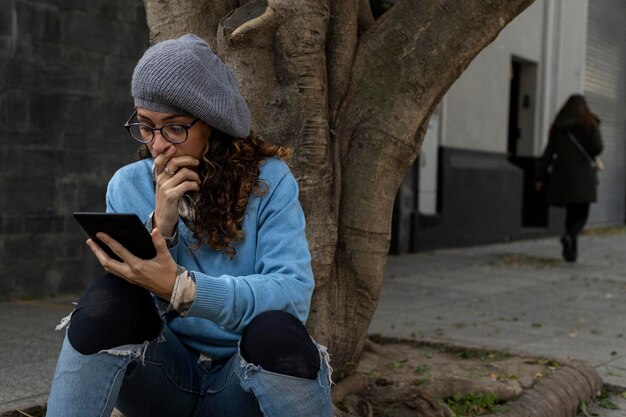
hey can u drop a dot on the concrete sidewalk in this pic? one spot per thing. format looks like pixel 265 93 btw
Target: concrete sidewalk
pixel 28 350
pixel 519 297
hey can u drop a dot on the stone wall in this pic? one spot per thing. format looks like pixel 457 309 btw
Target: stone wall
pixel 65 68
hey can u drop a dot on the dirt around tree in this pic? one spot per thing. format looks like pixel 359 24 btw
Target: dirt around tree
pixel 419 378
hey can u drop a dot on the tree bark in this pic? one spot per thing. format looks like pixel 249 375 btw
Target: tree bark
pixel 354 109
pixel 342 41
pixel 279 58
pixel 403 66
pixel 171 19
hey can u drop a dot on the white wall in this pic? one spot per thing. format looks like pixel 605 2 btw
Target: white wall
pixel 550 33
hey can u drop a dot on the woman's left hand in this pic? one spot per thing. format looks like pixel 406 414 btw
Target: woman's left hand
pixel 157 275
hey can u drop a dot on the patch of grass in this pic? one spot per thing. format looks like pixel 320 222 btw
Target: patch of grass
pixel 524 261
pixel 420 369
pixel 398 364
pixel 472 404
pixel 504 377
pixel 551 363
pixel 417 335
pixel 605 231
pixel 420 381
pixel 604 401
pixel 483 356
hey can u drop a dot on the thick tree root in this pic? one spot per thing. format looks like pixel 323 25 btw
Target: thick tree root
pixel 451 386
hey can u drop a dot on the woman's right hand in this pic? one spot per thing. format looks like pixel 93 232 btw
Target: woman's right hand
pixel 175 175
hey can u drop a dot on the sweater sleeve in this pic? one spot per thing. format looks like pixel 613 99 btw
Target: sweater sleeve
pixel 282 279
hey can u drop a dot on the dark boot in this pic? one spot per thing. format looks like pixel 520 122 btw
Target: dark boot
pixel 569 248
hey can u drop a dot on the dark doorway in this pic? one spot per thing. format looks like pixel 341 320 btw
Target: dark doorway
pixel 521 141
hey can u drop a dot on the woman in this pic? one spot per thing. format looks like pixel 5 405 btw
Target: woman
pixel 573 145
pixel 213 325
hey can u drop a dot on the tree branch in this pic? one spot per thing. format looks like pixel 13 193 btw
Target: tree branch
pixel 168 19
pixel 277 50
pixel 410 57
pixel 403 65
pixel 342 39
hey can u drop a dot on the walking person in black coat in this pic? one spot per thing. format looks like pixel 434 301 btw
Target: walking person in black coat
pixel 569 162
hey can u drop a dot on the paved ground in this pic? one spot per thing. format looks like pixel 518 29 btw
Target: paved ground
pixel 519 297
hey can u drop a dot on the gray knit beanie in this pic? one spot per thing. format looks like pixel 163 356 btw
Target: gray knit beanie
pixel 183 76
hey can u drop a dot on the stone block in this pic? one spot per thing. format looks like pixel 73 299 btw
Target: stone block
pixel 7 19
pixel 40 162
pixel 48 52
pixel 76 161
pixel 76 140
pixel 27 138
pixel 7 50
pixel 7 283
pixel 45 112
pixel 68 63
pixel 43 223
pixel 30 279
pixel 14 109
pixel 135 40
pixel 76 274
pixel 52 75
pixel 19 248
pixel 76 56
pixel 11 225
pixel 89 32
pixel 91 196
pixel 115 79
pixel 34 194
pixel 10 155
pixel 114 112
pixel 71 5
pixel 80 113
pixel 65 198
pixel 74 246
pixel 38 21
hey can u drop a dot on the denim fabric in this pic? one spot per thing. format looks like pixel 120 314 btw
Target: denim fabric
pixel 164 378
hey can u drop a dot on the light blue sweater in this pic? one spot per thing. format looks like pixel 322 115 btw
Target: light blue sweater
pixel 271 271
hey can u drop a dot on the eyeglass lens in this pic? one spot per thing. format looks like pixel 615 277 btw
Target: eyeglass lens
pixel 174 133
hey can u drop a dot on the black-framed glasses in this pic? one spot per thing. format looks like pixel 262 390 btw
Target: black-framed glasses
pixel 172 132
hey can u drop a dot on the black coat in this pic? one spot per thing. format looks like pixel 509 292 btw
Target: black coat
pixel 569 175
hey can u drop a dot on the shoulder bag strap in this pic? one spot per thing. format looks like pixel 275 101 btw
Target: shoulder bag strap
pixel 582 150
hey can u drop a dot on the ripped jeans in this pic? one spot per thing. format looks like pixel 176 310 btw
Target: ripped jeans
pixel 163 377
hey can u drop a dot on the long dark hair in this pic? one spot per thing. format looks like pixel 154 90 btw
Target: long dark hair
pixel 577 111
pixel 229 171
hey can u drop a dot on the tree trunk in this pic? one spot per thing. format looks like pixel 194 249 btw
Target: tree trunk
pixel 352 97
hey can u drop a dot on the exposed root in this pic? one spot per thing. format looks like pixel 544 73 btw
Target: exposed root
pixel 448 387
pixel 353 384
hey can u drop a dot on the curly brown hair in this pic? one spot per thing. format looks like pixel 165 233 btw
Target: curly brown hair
pixel 229 171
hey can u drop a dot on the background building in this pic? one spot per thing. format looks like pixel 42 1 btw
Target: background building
pixel 65 70
pixel 473 181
